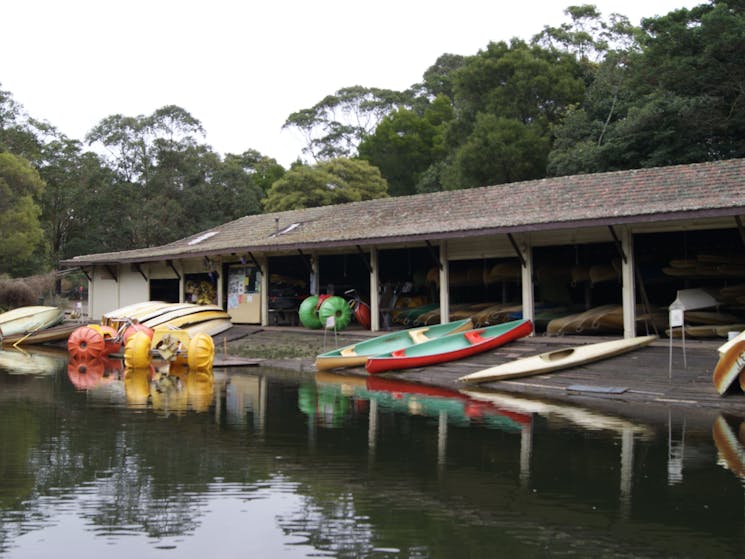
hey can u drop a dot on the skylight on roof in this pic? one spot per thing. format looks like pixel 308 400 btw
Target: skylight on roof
pixel 202 237
pixel 288 228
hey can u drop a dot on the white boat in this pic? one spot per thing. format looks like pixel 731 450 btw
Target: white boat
pixel 29 319
pixel 557 359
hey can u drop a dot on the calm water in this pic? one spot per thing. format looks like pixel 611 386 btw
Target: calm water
pixel 265 463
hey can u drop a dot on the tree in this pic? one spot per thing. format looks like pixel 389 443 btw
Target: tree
pixel 262 170
pixel 500 150
pixel 508 98
pixel 675 97
pixel 72 178
pixel 332 182
pixel 16 134
pixel 588 36
pixel 334 126
pixel 134 142
pixel 406 143
pixel 20 229
pixel 438 78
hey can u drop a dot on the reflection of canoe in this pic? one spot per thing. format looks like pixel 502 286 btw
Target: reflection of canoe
pixel 557 359
pixel 29 319
pixel 473 408
pixel 731 452
pixel 450 348
pixel 354 355
pixel 52 334
pixel 415 399
pixel 34 361
pixel 587 419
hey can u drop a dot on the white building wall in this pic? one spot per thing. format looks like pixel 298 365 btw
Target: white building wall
pixel 133 287
pixel 103 293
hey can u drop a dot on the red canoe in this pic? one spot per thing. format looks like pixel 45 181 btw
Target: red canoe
pixel 450 348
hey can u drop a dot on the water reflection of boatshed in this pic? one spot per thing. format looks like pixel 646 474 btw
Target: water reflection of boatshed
pixel 596 253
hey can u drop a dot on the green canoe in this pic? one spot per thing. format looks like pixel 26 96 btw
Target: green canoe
pixel 355 355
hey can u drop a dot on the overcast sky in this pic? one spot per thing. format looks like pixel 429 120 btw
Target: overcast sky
pixel 242 67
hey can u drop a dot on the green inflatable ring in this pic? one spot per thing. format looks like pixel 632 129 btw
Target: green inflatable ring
pixel 308 313
pixel 339 309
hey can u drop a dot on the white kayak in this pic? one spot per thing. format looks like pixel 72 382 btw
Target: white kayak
pixel 557 359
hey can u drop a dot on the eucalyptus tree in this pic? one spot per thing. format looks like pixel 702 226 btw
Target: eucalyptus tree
pixel 178 184
pixel 135 143
pixel 336 125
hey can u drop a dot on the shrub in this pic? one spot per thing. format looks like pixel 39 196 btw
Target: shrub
pixel 22 292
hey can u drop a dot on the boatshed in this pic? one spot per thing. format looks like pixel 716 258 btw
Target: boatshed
pixel 612 248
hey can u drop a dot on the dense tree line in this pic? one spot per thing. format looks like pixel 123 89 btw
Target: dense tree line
pixel 594 94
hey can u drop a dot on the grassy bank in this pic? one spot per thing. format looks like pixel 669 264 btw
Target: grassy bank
pixel 287 344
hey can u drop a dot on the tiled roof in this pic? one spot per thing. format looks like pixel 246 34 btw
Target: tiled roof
pixel 661 193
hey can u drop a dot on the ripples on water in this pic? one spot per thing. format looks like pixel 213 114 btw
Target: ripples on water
pixel 268 463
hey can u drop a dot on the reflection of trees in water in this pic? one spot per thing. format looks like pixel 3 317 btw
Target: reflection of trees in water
pixel 331 524
pixel 130 500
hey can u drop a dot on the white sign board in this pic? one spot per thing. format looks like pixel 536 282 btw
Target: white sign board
pixel 676 317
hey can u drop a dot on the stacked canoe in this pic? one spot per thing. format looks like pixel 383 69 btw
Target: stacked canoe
pixel 34 325
pixel 209 319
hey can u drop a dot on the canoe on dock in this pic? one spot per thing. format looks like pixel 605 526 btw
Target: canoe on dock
pixel 24 320
pixel 450 348
pixel 557 359
pixel 355 355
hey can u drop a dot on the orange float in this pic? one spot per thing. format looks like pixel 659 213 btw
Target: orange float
pixel 112 343
pixel 85 343
pixel 136 327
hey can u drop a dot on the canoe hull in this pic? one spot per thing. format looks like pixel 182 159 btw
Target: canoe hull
pixel 729 366
pixel 450 348
pixel 55 333
pixel 186 319
pixel 29 319
pixel 212 327
pixel 356 355
pixel 557 359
